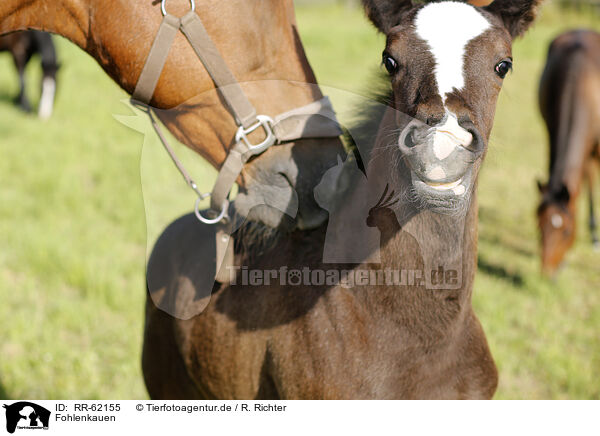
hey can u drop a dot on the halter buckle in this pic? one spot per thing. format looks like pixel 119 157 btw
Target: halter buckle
pixel 266 123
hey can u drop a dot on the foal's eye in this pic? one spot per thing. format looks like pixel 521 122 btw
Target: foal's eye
pixel 390 63
pixel 503 67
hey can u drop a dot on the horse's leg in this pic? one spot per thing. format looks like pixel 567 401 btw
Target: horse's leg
pixel 592 222
pixel 20 59
pixel 593 225
pixel 45 47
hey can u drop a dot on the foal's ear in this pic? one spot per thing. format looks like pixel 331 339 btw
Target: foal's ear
pixel 517 15
pixel 385 14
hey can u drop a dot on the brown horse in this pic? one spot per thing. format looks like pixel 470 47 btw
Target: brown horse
pixel 22 46
pixel 292 324
pixel 265 55
pixel 570 105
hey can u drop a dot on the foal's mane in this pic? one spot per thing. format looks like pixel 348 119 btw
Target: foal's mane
pixel 367 119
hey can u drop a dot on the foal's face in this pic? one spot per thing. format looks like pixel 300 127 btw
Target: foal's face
pixel 446 62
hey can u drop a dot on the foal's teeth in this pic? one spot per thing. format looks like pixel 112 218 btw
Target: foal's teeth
pixel 445 186
pixel 459 190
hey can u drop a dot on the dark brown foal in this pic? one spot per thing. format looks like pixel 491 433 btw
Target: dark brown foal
pixel 399 323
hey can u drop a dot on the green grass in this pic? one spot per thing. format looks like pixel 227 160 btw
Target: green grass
pixel 545 336
pixel 73 232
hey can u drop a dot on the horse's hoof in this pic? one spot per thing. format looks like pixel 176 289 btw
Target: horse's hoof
pixel 596 246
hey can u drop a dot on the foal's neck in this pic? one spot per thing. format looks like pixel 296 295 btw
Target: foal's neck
pixel 432 255
pixel 432 299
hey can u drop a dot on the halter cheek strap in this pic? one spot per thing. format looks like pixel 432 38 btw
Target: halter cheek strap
pixel 207 52
pixel 315 120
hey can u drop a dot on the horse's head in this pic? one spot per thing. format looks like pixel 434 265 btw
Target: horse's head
pixel 557 225
pixel 446 61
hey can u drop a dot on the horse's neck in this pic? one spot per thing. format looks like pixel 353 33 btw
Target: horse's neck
pixel 577 129
pixel 258 41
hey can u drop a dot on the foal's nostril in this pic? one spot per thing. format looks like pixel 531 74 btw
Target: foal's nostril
pixel 409 139
pixel 477 145
pixel 415 134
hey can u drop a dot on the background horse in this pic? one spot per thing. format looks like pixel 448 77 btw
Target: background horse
pixel 570 104
pixel 23 46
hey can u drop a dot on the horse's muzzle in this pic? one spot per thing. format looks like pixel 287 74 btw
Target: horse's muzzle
pixel 280 185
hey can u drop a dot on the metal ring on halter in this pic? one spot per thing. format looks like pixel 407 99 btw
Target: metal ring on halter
pixel 207 220
pixel 266 123
pixel 163 7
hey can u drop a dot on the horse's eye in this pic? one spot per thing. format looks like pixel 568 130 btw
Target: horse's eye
pixel 503 67
pixel 390 64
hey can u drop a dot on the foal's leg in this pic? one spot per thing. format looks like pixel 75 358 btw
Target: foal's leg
pixel 165 372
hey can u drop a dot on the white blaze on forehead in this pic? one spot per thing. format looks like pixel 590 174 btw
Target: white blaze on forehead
pixel 447 28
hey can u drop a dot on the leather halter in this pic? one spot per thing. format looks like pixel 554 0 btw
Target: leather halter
pixel 315 120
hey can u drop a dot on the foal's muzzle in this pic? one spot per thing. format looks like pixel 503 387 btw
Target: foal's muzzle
pixel 441 157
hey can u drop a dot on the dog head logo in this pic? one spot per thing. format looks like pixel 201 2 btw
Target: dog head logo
pixel 25 415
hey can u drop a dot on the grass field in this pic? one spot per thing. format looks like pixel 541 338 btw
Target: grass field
pixel 73 228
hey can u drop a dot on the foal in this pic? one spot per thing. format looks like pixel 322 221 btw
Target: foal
pixel 570 105
pixel 306 334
